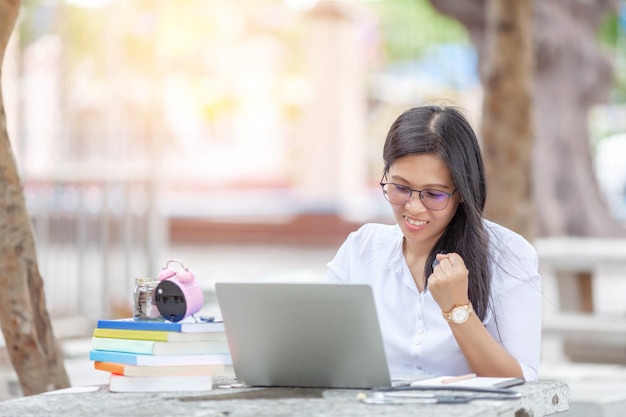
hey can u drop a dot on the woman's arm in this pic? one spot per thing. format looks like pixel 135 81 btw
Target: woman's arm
pixel 484 355
pixel 516 320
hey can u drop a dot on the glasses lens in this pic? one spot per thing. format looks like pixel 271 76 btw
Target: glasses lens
pixel 396 194
pixel 434 200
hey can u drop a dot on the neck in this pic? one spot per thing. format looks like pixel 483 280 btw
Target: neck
pixel 415 256
pixel 415 250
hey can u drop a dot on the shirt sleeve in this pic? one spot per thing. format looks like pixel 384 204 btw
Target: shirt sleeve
pixel 338 267
pixel 364 251
pixel 331 276
pixel 516 302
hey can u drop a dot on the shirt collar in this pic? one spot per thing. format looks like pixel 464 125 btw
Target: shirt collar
pixel 396 264
pixel 396 257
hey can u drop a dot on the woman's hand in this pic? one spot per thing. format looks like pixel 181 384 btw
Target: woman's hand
pixel 449 281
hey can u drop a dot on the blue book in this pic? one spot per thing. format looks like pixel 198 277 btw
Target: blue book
pixel 159 360
pixel 187 325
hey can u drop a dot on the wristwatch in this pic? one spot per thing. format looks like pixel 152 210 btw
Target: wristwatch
pixel 459 314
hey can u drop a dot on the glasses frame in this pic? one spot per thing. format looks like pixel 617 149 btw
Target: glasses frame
pixel 419 193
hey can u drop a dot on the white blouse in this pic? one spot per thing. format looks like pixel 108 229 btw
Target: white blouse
pixel 417 338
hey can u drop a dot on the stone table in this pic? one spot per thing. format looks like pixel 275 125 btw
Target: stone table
pixel 539 398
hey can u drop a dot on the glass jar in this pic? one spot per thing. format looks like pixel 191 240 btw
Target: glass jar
pixel 145 308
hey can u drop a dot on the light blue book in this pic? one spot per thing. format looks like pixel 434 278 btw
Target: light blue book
pixel 151 347
pixel 159 360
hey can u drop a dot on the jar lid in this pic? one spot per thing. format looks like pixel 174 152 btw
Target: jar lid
pixel 143 280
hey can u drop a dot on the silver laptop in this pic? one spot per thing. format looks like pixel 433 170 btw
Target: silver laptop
pixel 303 335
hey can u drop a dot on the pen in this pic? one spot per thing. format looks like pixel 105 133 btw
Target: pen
pixel 458 378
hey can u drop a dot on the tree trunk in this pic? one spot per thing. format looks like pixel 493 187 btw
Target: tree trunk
pixel 570 75
pixel 26 327
pixel 507 123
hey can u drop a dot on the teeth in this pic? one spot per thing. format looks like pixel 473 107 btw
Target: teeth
pixel 415 222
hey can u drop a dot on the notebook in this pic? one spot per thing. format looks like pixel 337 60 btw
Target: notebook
pixel 303 335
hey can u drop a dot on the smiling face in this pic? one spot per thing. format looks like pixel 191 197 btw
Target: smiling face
pixel 422 227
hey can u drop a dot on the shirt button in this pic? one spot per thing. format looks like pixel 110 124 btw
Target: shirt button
pixel 418 367
pixel 420 331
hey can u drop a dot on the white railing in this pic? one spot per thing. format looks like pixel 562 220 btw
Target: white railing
pixel 94 235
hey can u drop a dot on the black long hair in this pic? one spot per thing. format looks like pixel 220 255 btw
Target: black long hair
pixel 444 131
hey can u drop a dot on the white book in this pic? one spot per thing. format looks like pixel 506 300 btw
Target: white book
pixel 122 383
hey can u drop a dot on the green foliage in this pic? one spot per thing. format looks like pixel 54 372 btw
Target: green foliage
pixel 612 38
pixel 35 20
pixel 410 27
pixel 84 26
pixel 618 94
pixel 609 30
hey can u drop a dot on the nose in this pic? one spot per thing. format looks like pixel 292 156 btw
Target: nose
pixel 415 203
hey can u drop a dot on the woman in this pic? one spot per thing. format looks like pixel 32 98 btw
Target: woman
pixel 455 293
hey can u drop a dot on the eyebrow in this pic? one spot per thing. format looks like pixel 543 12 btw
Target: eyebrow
pixel 426 187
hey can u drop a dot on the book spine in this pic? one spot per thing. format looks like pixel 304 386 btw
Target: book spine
pixel 158 336
pixel 117 357
pixel 150 347
pixel 114 368
pixel 146 347
pixel 139 325
pixel 182 370
pixel 121 383
pixel 130 324
pixel 161 360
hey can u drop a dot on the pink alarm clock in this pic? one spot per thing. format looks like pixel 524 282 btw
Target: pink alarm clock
pixel 178 294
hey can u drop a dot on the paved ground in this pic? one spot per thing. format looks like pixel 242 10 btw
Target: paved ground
pixel 596 389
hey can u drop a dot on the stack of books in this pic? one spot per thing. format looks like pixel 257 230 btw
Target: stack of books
pixel 152 356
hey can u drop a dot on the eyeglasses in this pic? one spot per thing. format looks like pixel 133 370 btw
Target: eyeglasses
pixel 431 199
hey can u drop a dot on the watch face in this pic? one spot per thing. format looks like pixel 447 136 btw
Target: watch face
pixel 460 315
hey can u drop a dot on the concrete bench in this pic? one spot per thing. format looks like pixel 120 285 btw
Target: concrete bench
pixel 584 327
pixel 587 337
pixel 575 262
